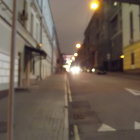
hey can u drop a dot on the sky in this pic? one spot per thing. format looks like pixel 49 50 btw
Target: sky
pixel 71 18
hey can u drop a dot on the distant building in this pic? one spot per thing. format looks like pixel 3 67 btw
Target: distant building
pixel 37 54
pixel 112 32
pixel 115 36
pixel 101 36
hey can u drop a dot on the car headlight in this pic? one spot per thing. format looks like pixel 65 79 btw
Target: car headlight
pixel 93 70
pixel 75 70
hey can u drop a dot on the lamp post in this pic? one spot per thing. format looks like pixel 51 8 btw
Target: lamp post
pixel 10 122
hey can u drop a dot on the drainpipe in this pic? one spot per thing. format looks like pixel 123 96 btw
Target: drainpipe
pixel 41 40
pixel 28 70
pixel 52 55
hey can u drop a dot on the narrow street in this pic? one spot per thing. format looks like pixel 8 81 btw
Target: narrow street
pixel 69 70
pixel 104 107
pixel 101 107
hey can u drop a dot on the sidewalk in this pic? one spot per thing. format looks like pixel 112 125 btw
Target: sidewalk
pixel 40 112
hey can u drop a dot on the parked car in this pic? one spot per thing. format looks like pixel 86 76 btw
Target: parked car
pixel 101 72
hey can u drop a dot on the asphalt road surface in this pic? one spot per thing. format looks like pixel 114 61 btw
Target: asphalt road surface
pixel 104 107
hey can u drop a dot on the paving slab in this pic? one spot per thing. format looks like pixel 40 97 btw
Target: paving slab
pixel 40 111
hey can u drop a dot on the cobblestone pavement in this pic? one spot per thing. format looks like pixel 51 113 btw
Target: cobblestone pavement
pixel 39 113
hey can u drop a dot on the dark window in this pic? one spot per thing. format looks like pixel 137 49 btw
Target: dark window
pixel 131 26
pixel 98 36
pixel 132 58
pixel 114 25
pixel 58 61
pixel 32 65
pixel 139 16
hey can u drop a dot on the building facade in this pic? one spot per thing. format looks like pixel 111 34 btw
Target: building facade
pixel 113 34
pixel 37 48
pixel 101 38
pixel 131 37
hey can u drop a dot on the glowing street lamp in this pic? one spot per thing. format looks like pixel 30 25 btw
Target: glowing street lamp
pixel 78 45
pixel 73 58
pixel 115 3
pixel 94 5
pixel 122 56
pixel 69 62
pixel 75 54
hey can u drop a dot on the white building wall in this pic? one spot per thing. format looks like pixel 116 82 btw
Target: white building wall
pixel 48 48
pixel 5 37
pixel 5 41
pixel 46 44
pixel 48 37
pixel 9 3
pixel 5 70
pixel 24 37
pixel 126 9
pixel 48 17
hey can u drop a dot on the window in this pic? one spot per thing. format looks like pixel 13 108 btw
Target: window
pixel 132 58
pixel 32 24
pixel 131 26
pixel 139 16
pixel 32 65
pixel 38 32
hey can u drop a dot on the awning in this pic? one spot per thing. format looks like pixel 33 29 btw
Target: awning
pixel 37 51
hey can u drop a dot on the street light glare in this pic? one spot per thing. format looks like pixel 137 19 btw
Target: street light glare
pixel 73 58
pixel 122 56
pixel 75 54
pixel 115 3
pixel 94 5
pixel 75 70
pixel 78 45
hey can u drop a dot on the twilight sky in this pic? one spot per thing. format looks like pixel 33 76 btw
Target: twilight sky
pixel 71 19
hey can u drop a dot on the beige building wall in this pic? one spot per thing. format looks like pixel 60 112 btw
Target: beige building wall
pixel 131 46
pixel 126 9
